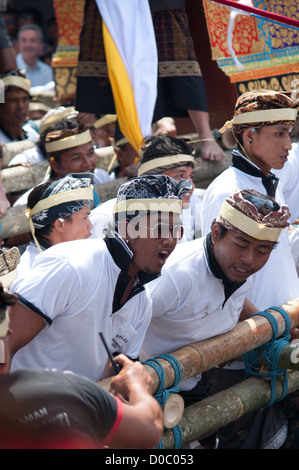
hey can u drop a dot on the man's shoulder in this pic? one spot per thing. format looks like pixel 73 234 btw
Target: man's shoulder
pixel 43 65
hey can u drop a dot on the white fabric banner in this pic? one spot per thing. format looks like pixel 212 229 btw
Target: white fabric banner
pixel 129 22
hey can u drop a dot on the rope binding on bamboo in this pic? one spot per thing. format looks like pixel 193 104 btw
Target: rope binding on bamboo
pixel 270 351
pixel 162 394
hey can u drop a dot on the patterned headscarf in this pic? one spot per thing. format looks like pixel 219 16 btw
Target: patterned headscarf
pixel 152 193
pixel 62 198
pixel 163 152
pixel 254 213
pixel 283 110
pixel 62 208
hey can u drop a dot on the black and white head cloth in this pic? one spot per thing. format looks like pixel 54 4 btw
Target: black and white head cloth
pixel 152 193
pixel 61 199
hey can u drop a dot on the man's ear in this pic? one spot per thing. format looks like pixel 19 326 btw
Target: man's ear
pixel 59 225
pixel 215 233
pixel 248 136
pixel 55 166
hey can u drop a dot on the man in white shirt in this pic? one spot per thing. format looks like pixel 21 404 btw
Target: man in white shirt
pixel 13 118
pixel 30 42
pixel 78 288
pixel 69 150
pixel 262 123
pixel 204 294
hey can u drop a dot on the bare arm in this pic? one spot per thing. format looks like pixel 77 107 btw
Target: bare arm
pixel 142 422
pixel 25 325
pixel 248 310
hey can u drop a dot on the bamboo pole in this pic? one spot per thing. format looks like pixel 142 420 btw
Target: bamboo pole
pixel 203 355
pixel 9 150
pixel 20 178
pixel 247 335
pixel 226 407
pixel 23 178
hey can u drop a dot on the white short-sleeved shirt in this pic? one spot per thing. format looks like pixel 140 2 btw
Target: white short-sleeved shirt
pixel 100 217
pixel 72 284
pixel 32 155
pixel 294 245
pixel 189 306
pixel 30 134
pixel 27 259
pixel 41 75
pixel 277 282
pixel 288 177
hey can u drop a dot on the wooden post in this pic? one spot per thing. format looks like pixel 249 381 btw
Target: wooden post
pixel 227 406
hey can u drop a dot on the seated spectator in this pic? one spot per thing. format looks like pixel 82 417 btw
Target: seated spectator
pixel 70 150
pixel 30 40
pixel 38 152
pixel 174 157
pixel 104 130
pixel 13 118
pixel 15 109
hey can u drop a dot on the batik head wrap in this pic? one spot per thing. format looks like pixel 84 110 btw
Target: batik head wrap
pixel 261 108
pixel 255 214
pixel 163 152
pixel 16 79
pixel 61 199
pixel 152 193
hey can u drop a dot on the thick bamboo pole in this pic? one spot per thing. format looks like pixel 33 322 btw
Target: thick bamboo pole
pixel 247 335
pixel 20 178
pixel 9 150
pixel 227 406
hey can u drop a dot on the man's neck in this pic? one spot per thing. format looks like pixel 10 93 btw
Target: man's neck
pixel 31 62
pixel 13 131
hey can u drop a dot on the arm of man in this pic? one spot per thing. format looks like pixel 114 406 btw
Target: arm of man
pixel 25 324
pixel 142 422
pixel 248 310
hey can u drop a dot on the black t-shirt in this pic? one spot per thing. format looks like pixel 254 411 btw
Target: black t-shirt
pixel 51 403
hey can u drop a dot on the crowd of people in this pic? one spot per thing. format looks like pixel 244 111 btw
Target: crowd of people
pixel 160 265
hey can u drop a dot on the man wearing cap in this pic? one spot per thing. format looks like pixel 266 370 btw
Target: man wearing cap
pixel 204 294
pixel 38 152
pixel 262 123
pixel 174 157
pixel 69 149
pixel 50 409
pixel 103 130
pixel 58 211
pixel 13 117
pixel 168 155
pixel 76 289
pixel 14 111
